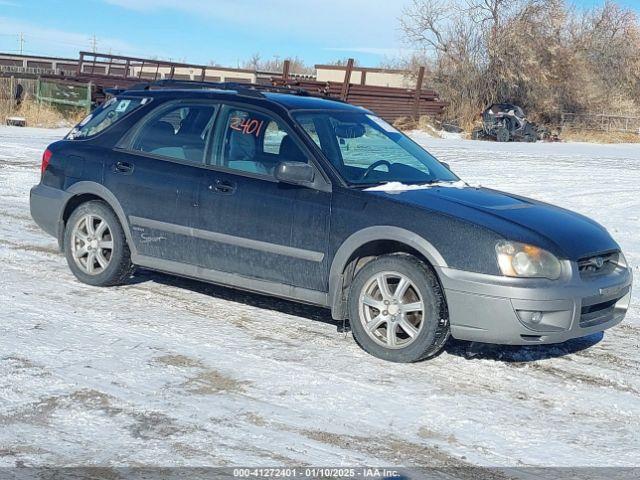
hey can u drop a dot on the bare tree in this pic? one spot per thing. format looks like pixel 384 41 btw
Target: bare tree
pixel 276 64
pixel 540 53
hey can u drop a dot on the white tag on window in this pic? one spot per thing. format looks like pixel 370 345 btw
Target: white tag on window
pixel 122 106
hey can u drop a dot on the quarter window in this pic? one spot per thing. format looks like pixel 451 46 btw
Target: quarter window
pixel 179 133
pixel 105 116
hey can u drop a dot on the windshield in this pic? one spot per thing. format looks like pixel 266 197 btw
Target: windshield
pixel 366 150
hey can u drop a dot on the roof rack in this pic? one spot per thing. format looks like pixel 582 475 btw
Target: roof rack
pixel 247 89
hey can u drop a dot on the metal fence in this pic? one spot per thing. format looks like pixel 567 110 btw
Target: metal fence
pixel 389 102
pixel 600 122
pixel 9 84
pixel 64 95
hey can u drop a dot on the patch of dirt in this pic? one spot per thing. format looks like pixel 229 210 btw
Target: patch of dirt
pixel 29 248
pixel 18 363
pixel 15 216
pixel 17 450
pixel 427 434
pixel 153 425
pixel 39 412
pixel 626 364
pixel 179 361
pixel 243 322
pixel 210 382
pixel 389 449
pixel 146 425
pixel 191 452
pixel 576 377
pixel 36 413
pixel 417 458
pixel 255 419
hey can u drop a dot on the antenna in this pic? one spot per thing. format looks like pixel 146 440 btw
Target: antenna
pixel 94 43
pixel 21 42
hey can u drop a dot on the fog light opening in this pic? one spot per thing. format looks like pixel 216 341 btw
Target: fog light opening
pixel 530 317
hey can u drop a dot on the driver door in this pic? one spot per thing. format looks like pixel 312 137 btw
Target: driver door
pixel 251 225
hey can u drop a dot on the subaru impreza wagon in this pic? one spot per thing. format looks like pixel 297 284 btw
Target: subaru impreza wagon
pixel 321 202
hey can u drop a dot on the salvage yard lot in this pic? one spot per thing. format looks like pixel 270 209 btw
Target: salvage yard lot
pixel 172 372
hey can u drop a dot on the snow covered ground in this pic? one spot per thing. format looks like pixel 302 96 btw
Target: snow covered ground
pixel 173 372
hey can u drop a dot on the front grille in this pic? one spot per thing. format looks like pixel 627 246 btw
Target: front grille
pixel 591 315
pixel 597 265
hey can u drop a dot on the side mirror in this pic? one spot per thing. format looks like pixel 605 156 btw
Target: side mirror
pixel 446 165
pixel 297 173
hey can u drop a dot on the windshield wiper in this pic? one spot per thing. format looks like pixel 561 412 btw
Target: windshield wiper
pixel 366 185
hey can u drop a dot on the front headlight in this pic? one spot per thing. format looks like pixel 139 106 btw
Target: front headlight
pixel 622 261
pixel 521 260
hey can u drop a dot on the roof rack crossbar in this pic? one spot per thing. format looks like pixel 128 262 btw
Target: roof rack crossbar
pixel 248 89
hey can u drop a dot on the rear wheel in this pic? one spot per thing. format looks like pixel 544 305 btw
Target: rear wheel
pixel 530 135
pixel 397 310
pixel 95 245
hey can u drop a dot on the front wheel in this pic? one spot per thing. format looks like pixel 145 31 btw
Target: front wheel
pixel 397 310
pixel 502 134
pixel 95 245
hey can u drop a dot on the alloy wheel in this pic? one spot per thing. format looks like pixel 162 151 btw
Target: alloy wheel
pixel 92 244
pixel 391 310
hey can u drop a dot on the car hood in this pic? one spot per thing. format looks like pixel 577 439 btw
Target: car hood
pixel 564 233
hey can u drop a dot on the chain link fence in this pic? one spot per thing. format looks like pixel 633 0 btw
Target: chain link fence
pixel 600 123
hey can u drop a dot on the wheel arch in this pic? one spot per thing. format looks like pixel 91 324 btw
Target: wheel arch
pixel 83 192
pixel 374 241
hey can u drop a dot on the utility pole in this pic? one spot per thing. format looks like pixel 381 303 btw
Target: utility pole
pixel 94 43
pixel 21 42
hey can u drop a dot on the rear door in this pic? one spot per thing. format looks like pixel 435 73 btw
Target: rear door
pixel 156 174
pixel 246 222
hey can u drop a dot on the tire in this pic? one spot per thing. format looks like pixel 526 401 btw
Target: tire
pixel 477 134
pixel 86 238
pixel 502 134
pixel 530 135
pixel 430 328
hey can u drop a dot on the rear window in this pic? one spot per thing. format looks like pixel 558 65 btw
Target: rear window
pixel 105 116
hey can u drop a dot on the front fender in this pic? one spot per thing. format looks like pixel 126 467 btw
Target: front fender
pixel 367 235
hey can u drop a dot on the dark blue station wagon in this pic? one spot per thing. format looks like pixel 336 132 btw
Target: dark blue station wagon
pixel 325 203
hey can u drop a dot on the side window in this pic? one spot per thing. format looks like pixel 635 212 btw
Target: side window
pixel 256 143
pixel 273 136
pixel 179 133
pixel 310 127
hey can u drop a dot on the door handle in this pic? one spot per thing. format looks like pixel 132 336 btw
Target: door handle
pixel 123 167
pixel 223 186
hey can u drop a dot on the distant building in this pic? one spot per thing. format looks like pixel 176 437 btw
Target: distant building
pixel 151 69
pixel 37 65
pixel 43 65
pixel 380 77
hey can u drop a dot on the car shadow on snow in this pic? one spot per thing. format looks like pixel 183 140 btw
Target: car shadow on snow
pixel 467 350
pixel 520 353
pixel 232 295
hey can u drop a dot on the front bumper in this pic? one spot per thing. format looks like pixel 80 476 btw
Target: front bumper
pixel 47 206
pixel 495 309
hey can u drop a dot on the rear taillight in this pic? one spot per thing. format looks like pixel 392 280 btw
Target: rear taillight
pixel 46 157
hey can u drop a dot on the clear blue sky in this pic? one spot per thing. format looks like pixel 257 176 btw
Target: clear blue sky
pixel 200 31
